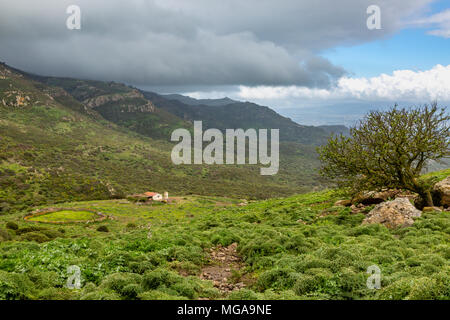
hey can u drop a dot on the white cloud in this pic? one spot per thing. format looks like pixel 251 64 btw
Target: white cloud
pixel 440 23
pixel 402 85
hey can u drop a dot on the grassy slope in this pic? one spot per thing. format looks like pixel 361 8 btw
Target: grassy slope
pixel 325 257
pixel 157 124
pixel 439 175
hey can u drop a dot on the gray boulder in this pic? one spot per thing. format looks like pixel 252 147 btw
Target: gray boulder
pixel 393 214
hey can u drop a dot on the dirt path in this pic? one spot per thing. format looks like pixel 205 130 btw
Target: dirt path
pixel 225 269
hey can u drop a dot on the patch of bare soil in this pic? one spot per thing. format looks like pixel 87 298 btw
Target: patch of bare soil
pixel 225 269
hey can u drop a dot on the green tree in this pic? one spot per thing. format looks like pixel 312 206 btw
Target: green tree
pixel 389 149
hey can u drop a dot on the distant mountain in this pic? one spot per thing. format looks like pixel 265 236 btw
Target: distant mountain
pixel 243 115
pixel 198 102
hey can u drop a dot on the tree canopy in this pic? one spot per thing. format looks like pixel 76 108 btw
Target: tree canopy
pixel 389 149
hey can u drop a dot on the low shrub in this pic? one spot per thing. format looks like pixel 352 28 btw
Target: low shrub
pixel 155 279
pixel 305 283
pixel 119 281
pixel 4 235
pixel 243 294
pixel 131 291
pixel 170 283
pixel 131 225
pixel 29 229
pixel 35 236
pixel 396 291
pixel 186 253
pixel 277 279
pixel 15 286
pixel 103 229
pixel 158 295
pixel 52 234
pixel 186 289
pixel 57 294
pixel 12 225
pixel 100 295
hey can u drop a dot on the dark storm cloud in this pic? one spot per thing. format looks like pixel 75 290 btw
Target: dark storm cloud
pixel 195 43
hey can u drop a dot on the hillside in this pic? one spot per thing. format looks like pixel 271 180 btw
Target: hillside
pixel 59 145
pixel 118 103
pixel 156 116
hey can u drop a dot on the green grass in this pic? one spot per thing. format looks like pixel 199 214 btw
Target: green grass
pixel 65 216
pixel 326 258
pixel 439 175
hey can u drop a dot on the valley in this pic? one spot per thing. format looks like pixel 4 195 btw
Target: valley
pixel 63 137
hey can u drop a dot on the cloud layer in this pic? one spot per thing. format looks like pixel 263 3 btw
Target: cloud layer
pixel 402 85
pixel 196 42
pixel 439 24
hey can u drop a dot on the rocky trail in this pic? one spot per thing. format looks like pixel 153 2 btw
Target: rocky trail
pixel 225 269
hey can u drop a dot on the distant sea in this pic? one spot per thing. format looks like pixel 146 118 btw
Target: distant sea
pixel 339 114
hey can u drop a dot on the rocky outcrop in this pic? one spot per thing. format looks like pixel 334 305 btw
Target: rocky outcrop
pixel 15 98
pixel 343 203
pixel 375 197
pixel 121 98
pixel 393 214
pixel 357 208
pixel 442 191
pixel 5 73
pixel 130 102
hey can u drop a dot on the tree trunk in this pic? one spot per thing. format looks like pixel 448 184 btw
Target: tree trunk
pixel 424 193
pixel 428 199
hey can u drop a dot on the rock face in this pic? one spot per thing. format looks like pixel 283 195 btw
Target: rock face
pixel 375 197
pixel 393 214
pixel 343 203
pixel 358 208
pixel 442 189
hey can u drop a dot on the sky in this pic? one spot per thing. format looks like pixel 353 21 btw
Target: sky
pixel 315 61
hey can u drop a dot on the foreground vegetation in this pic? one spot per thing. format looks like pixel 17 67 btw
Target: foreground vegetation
pixel 300 247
